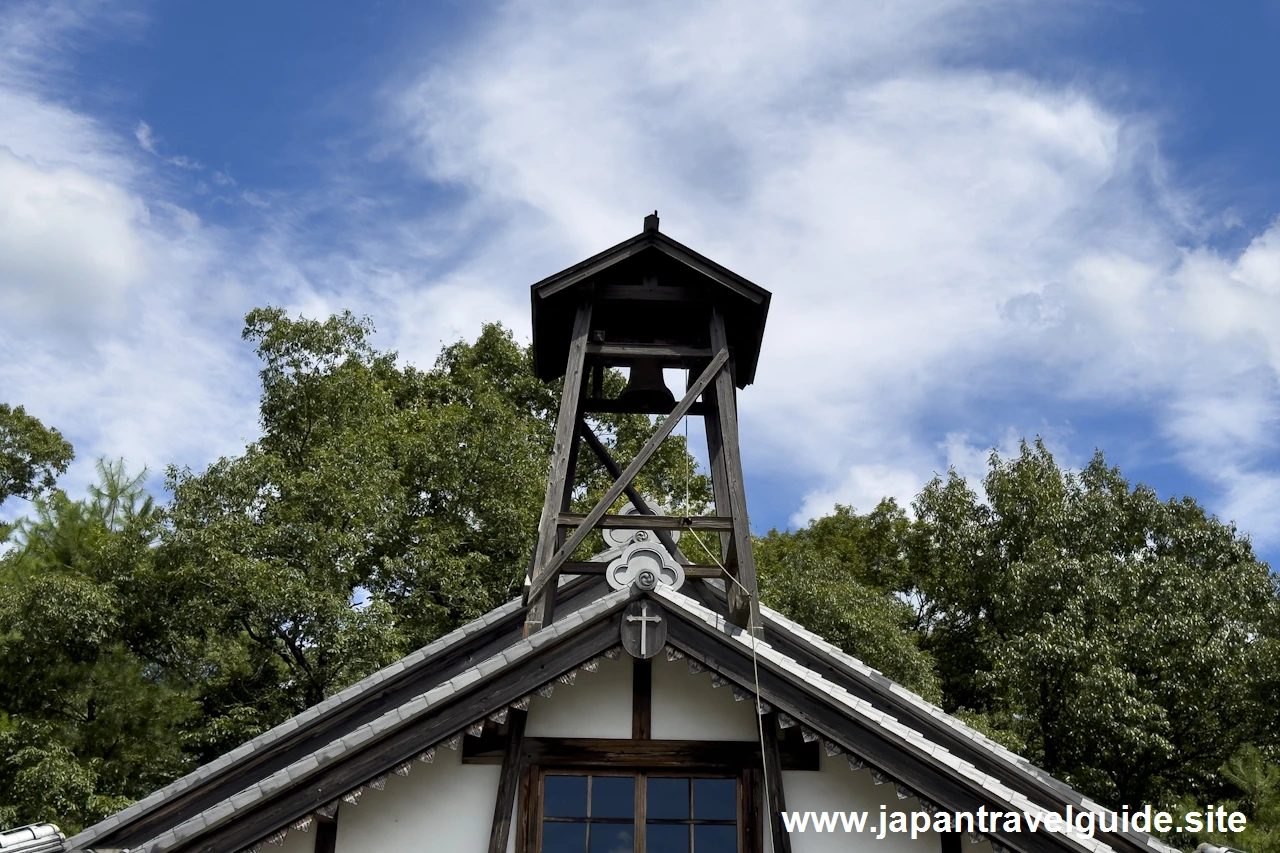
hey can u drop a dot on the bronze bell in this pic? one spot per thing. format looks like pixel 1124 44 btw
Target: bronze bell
pixel 646 390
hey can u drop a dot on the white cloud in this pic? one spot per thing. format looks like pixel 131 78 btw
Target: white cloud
pixel 146 138
pixel 934 233
pixel 117 308
pixel 929 228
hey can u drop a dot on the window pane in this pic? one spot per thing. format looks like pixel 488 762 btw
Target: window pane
pixel 564 837
pixel 611 838
pixel 565 796
pixel 613 796
pixel 665 838
pixel 715 839
pixel 715 799
pixel 668 798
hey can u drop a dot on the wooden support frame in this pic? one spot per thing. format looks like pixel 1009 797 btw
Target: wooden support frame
pixel 744 603
pixel 509 781
pixel 541 600
pixel 545 573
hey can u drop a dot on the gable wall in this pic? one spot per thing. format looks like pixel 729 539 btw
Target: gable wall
pixel 449 806
pixel 442 806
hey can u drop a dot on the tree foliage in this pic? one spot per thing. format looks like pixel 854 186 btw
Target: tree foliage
pixel 1121 638
pixel 846 576
pixel 90 719
pixel 31 456
pixel 1128 644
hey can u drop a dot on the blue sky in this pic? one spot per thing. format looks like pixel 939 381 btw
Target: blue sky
pixel 981 221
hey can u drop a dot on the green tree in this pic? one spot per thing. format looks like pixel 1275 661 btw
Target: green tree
pixel 31 457
pixel 381 506
pixel 1120 638
pixel 89 719
pixel 849 578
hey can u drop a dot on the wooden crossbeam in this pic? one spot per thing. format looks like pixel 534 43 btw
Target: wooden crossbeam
pixel 651 522
pixel 547 572
pixel 664 351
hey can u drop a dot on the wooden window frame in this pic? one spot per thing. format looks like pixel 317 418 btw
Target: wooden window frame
pixel 746 816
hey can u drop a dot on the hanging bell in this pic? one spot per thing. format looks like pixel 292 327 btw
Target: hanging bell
pixel 646 391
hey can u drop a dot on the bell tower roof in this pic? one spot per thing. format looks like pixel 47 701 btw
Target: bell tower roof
pixel 649 289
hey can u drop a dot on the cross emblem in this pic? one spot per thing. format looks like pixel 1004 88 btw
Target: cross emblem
pixel 644 619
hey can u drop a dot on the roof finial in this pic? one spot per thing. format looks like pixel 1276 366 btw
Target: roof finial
pixel 651 222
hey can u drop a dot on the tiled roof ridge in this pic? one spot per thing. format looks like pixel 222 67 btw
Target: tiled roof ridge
pixel 1015 761
pixel 412 709
pixel 909 737
pixel 227 760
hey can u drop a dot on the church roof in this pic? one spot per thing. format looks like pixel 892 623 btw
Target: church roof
pixel 435 696
pixel 655 286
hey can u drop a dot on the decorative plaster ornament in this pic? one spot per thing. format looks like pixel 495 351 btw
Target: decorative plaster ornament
pixel 646 563
pixel 618 537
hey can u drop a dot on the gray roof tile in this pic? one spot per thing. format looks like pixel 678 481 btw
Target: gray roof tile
pixel 415 707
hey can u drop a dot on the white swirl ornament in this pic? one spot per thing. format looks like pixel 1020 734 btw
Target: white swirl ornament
pixel 646 562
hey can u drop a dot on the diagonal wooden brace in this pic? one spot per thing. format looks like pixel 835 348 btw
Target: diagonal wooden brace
pixel 637 500
pixel 544 575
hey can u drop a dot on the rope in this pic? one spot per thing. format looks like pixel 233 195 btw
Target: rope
pixel 751 632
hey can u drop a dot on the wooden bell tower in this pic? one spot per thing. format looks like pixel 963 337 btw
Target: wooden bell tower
pixel 647 304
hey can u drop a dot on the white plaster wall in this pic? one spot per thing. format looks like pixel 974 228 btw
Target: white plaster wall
pixel 446 805
pixel 687 707
pixel 834 787
pixel 597 704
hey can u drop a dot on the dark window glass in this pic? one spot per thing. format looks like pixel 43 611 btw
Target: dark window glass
pixel 666 838
pixel 611 838
pixel 563 837
pixel 715 799
pixel 715 839
pixel 565 796
pixel 668 798
pixel 613 796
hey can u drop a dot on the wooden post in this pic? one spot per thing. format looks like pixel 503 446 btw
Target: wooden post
pixel 773 781
pixel 326 835
pixel 641 699
pixel 563 454
pixel 744 607
pixel 508 782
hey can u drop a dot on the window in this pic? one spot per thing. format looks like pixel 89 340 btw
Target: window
pixel 639 813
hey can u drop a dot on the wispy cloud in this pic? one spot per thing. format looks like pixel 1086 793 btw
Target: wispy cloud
pixel 959 256
pixel 117 307
pixel 145 136
pixel 934 231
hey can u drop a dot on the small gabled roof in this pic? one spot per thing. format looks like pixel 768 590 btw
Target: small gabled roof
pixel 808 682
pixel 680 272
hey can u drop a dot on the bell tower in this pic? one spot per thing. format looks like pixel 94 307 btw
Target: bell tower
pixel 646 304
